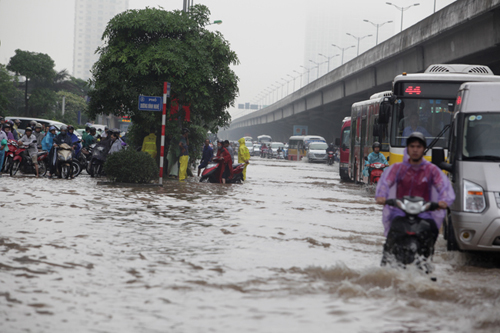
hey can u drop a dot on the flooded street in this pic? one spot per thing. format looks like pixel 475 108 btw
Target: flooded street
pixel 291 250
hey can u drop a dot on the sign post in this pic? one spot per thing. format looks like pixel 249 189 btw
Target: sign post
pixel 163 121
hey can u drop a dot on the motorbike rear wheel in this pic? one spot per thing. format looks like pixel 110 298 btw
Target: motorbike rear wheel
pixel 42 168
pixel 14 168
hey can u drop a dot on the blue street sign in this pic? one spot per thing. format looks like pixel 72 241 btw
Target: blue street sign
pixel 150 103
pixel 168 89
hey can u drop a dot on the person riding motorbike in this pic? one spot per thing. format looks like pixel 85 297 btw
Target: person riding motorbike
pixel 90 138
pixel 27 140
pixel 74 139
pixel 39 135
pixel 7 128
pixel 59 139
pixel 415 176
pixel 15 127
pixel 374 157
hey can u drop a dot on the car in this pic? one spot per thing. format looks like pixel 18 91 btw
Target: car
pixel 316 152
pixel 256 149
pixel 273 151
pixel 25 122
pixel 249 145
pixel 79 132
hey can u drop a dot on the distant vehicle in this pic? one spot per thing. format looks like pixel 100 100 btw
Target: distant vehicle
pixel 249 145
pixel 248 138
pixel 296 148
pixel 474 155
pixel 316 152
pixel 264 139
pixel 25 122
pixel 256 149
pixel 273 150
pixel 344 142
pixel 312 138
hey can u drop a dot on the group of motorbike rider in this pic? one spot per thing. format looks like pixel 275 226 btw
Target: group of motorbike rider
pixel 36 140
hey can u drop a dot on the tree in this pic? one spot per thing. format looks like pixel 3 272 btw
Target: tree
pixel 9 94
pixel 36 66
pixel 147 47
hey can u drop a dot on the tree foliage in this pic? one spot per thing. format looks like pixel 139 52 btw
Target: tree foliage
pixel 32 65
pixel 9 94
pixel 147 47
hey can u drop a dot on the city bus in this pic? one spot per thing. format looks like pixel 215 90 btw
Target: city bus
pixel 296 148
pixel 264 139
pixel 421 102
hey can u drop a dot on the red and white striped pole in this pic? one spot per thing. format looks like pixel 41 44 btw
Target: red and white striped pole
pixel 163 120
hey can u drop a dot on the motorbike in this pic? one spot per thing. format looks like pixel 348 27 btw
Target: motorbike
pixel 64 161
pixel 410 239
pixel 212 172
pixel 22 161
pixel 99 154
pixel 331 157
pixel 9 155
pixel 376 172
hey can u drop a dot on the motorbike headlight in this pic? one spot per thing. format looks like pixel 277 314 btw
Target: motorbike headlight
pixel 413 208
pixel 474 200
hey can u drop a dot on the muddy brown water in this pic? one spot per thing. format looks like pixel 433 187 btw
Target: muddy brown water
pixel 291 250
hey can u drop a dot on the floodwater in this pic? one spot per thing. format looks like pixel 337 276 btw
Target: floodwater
pixel 291 250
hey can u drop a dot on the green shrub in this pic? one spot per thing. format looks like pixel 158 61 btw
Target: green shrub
pixel 131 166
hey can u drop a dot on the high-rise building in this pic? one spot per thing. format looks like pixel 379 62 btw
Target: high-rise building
pixel 91 18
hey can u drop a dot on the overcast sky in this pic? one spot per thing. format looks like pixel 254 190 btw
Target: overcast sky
pixel 267 35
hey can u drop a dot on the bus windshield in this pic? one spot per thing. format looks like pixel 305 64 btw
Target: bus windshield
pixel 428 116
pixel 482 137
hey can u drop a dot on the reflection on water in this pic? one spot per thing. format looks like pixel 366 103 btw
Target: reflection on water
pixel 292 249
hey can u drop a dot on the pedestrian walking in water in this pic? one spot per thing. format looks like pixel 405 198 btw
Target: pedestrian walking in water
pixel 184 158
pixel 230 149
pixel 243 156
pixel 206 157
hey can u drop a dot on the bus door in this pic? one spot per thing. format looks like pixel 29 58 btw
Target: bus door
pixel 362 149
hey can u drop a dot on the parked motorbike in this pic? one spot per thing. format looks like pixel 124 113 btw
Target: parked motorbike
pixel 410 238
pixel 9 155
pixel 376 172
pixel 211 174
pixel 22 161
pixel 99 154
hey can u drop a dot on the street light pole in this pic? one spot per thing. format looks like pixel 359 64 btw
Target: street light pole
pixel 359 39
pixel 317 65
pixel 343 49
pixel 378 26
pixel 286 84
pixel 403 9
pixel 293 77
pixel 333 56
pixel 307 69
pixel 300 77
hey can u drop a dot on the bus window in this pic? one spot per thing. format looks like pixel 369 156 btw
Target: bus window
pixel 346 138
pixel 426 116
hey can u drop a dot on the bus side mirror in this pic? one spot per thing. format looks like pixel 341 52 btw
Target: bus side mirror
pixel 438 159
pixel 337 141
pixel 384 113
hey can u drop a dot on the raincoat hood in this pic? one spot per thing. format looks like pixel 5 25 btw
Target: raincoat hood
pixel 242 141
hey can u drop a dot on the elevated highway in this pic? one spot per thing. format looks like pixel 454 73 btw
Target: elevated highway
pixel 467 31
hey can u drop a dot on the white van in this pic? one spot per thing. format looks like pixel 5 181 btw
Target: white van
pixel 473 166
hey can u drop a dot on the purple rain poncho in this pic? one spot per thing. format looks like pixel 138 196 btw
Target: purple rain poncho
pixel 425 180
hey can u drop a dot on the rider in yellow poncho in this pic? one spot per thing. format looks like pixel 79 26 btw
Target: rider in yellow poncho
pixel 243 156
pixel 149 145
